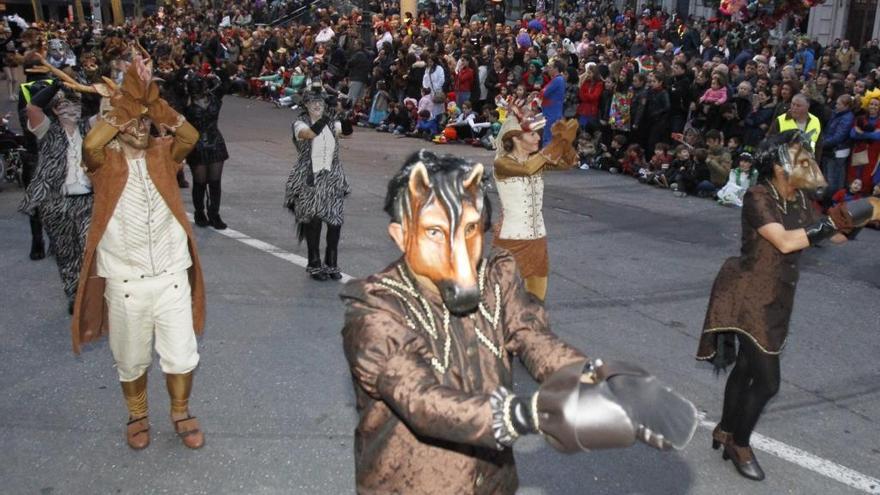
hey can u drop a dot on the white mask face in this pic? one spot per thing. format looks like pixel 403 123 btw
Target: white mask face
pixel 315 107
pixel 67 110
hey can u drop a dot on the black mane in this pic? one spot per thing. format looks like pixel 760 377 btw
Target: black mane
pixel 446 174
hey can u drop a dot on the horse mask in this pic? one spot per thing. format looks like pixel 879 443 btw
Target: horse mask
pixel 439 213
pixel 795 156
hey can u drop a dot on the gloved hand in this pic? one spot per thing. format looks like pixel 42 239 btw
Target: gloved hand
pixel 611 405
pixel 124 110
pixel 565 129
pixel 843 218
pixel 44 97
pixel 318 126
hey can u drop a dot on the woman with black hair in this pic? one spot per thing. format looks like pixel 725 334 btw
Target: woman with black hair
pixel 753 294
pixel 207 157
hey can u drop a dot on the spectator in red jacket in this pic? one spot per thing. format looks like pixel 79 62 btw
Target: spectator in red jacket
pixel 590 93
pixel 464 81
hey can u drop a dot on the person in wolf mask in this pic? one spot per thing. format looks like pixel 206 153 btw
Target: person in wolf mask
pixel 753 294
pixel 60 192
pixel 316 187
pixel 141 279
pixel 430 339
pixel 205 100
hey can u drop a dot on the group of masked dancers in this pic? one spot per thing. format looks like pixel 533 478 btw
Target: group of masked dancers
pixel 430 339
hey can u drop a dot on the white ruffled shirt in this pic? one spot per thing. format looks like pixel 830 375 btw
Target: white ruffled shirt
pixel 143 238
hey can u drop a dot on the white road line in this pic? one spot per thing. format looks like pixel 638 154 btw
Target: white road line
pixel 782 450
pixel 269 249
pixel 806 460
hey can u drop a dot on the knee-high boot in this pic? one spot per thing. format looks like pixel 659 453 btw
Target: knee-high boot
pixel 186 426
pixel 138 427
pixel 331 252
pixel 214 194
pixel 38 250
pixel 198 196
pixel 312 233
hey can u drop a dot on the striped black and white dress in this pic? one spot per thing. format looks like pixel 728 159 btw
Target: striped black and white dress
pixel 316 185
pixel 66 217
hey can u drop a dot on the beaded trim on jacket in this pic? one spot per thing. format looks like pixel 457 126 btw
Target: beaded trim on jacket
pixel 426 320
pixel 782 203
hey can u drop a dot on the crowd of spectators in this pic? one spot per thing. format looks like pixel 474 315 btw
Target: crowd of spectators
pixel 678 103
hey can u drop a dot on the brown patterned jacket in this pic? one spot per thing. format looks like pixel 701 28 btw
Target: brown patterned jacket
pixel 425 417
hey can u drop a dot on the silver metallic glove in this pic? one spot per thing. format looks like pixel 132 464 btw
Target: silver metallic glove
pixel 611 405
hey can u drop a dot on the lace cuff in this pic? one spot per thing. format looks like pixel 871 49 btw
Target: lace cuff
pixel 505 433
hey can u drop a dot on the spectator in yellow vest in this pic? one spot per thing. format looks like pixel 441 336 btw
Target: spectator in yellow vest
pixel 799 117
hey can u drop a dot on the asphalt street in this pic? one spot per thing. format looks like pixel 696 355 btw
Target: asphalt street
pixel 631 271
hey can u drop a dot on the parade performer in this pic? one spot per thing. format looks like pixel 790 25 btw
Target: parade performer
pixel 36 80
pixel 141 279
pixel 60 192
pixel 172 88
pixel 206 159
pixel 519 178
pixel 752 297
pixel 430 339
pixel 316 187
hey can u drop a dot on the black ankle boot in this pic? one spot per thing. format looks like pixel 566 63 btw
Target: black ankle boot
pixel 311 232
pixel 38 250
pixel 200 219
pixel 215 220
pixel 317 272
pixel 333 272
pixel 743 458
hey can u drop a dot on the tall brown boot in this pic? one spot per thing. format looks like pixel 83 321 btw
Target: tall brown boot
pixel 138 428
pixel 186 426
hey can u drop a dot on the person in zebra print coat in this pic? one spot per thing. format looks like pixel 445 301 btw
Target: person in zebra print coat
pixel 316 186
pixel 60 192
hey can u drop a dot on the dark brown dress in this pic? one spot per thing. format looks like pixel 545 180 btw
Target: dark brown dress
pixel 753 294
pixel 425 417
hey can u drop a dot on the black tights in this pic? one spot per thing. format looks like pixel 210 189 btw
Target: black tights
pixel 312 233
pixel 206 177
pixel 753 381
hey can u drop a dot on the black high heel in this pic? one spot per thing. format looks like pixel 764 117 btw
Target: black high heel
pixel 743 459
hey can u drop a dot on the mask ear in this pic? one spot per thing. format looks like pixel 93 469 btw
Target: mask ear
pixel 472 186
pixel 419 185
pixel 474 179
pixel 395 230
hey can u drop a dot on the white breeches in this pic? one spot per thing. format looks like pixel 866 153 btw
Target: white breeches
pixel 142 308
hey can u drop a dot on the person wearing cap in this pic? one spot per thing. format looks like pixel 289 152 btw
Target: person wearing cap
pixel 316 187
pixel 519 178
pixel 60 192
